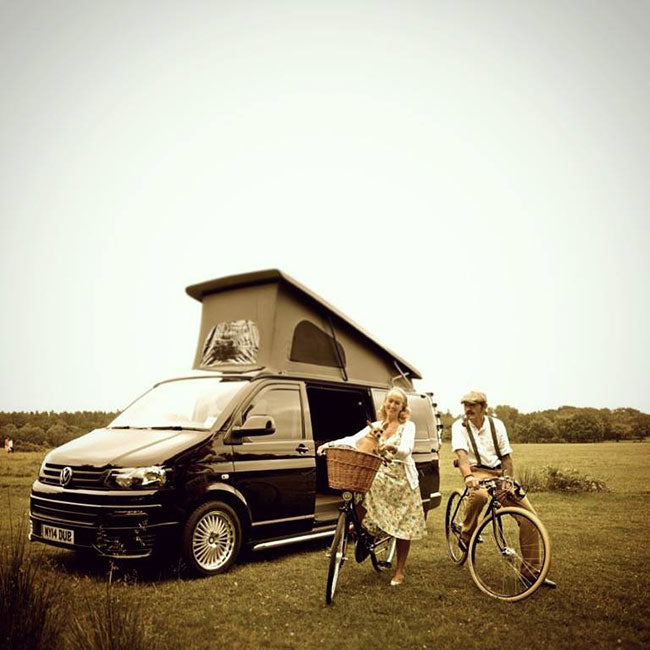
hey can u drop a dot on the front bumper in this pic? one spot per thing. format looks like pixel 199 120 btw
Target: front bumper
pixel 115 524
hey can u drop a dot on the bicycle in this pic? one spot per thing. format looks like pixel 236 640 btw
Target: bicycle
pixel 497 561
pixel 381 549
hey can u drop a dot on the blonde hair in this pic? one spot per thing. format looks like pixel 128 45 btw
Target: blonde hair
pixel 405 413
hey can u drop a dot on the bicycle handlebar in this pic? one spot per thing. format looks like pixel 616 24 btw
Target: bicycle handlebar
pixel 496 479
pixel 506 483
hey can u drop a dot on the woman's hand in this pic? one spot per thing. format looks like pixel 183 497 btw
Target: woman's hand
pixel 391 449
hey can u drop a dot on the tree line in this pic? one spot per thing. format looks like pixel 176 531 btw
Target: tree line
pixel 37 430
pixel 568 424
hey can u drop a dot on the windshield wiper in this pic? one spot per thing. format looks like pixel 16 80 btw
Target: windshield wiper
pixel 171 427
pixel 177 427
pixel 129 426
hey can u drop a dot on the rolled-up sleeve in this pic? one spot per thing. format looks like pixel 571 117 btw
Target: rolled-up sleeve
pixel 458 437
pixel 504 443
pixel 405 448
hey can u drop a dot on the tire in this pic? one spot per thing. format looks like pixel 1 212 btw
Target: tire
pixel 497 564
pixel 383 553
pixel 454 516
pixel 212 538
pixel 337 557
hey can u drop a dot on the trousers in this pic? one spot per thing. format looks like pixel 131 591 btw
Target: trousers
pixel 529 540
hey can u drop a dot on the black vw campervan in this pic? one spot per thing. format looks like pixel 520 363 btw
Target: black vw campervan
pixel 225 456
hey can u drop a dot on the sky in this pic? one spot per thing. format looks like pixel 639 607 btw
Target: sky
pixel 465 180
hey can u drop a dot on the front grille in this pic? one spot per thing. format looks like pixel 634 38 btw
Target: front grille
pixel 64 513
pixel 114 526
pixel 82 476
pixel 92 513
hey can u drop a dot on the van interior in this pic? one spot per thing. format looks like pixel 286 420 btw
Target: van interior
pixel 334 413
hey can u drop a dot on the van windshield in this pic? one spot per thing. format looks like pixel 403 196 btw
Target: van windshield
pixel 180 404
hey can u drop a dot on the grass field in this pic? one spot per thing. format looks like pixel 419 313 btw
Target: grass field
pixel 601 562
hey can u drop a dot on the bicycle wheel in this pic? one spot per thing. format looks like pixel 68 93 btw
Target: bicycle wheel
pixel 382 553
pixel 337 556
pixel 454 516
pixel 514 556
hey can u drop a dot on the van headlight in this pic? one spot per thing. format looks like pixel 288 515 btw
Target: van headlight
pixel 138 477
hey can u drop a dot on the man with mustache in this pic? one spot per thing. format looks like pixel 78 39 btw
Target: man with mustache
pixel 483 451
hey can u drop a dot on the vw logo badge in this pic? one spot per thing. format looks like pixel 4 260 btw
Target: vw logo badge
pixel 66 476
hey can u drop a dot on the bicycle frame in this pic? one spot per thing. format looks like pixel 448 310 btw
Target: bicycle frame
pixel 348 508
pixel 493 504
pixel 493 487
pixel 366 545
pixel 372 544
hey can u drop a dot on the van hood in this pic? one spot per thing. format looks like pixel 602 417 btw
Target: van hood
pixel 126 447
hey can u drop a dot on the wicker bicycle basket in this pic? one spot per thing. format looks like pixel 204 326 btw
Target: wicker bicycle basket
pixel 349 469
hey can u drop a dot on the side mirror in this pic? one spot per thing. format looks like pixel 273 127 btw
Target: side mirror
pixel 256 425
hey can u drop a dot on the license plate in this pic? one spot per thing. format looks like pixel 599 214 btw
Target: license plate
pixel 63 535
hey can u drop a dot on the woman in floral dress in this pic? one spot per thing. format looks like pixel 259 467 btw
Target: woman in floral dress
pixel 393 503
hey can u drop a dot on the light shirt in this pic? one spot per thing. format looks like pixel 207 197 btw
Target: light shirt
pixel 483 436
pixel 402 455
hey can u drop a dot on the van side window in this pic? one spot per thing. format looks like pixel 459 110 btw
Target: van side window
pixel 283 404
pixel 313 345
pixel 378 397
pixel 422 416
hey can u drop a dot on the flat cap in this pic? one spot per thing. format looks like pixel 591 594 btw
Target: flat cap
pixel 474 396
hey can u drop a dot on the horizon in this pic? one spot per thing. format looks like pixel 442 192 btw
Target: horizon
pixel 443 412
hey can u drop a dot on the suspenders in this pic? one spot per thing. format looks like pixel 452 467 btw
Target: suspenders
pixel 472 440
pixel 495 442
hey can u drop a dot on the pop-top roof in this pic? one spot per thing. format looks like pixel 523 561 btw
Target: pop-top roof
pixel 301 294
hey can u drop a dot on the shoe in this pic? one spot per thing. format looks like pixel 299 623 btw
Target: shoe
pixel 549 583
pixel 395 583
pixel 462 545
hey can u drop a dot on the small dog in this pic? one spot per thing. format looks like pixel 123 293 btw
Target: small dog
pixel 370 442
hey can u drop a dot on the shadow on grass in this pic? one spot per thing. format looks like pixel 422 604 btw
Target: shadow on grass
pixel 281 552
pixel 166 567
pixel 90 565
